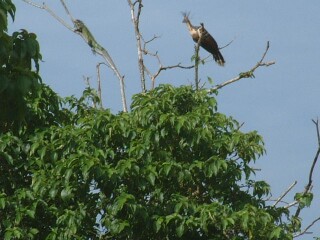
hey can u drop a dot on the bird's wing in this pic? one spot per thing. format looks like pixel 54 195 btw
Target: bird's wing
pixel 208 43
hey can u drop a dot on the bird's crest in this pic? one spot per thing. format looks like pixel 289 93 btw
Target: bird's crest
pixel 185 17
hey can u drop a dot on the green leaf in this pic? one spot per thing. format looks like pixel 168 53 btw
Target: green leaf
pixel 159 224
pixel 275 234
pixel 122 200
pixel 304 199
pixel 31 213
pixel 210 80
pixel 34 231
pixel 180 229
pixel 2 200
pixel 151 178
pixel 166 168
pixel 66 194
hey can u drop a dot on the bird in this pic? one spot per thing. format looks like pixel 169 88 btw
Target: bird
pixel 207 41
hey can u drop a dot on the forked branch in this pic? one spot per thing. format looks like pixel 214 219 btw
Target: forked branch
pixel 135 9
pixel 135 17
pixel 248 74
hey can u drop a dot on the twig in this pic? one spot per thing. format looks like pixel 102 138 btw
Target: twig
pixel 307 228
pixel 67 10
pixel 248 74
pixel 285 193
pixel 46 8
pixel 308 187
pixel 99 82
pixel 227 44
pixel 161 68
pixel 152 39
pixel 87 82
pixel 291 204
pixel 135 9
pixel 316 122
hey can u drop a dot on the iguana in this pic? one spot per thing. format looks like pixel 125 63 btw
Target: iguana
pixel 82 30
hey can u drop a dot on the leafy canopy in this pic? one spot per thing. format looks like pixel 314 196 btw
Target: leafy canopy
pixel 172 168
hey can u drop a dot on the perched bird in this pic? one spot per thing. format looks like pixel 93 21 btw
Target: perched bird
pixel 207 41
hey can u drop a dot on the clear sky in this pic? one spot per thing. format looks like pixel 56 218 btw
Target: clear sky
pixel 279 103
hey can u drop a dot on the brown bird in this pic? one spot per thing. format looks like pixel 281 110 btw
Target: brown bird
pixel 207 41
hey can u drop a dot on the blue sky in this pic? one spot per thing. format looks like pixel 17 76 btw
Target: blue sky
pixel 279 103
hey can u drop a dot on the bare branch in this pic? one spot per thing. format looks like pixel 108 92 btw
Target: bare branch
pixel 166 68
pixel 248 74
pixel 47 9
pixel 152 39
pixel 307 228
pixel 291 204
pixel 227 44
pixel 308 187
pixel 285 193
pixel 316 122
pixel 80 29
pixel 161 68
pixel 135 9
pixel 99 82
pixel 67 10
pixel 135 18
pixel 87 82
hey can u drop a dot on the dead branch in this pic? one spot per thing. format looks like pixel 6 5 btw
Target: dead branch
pixel 47 9
pixel 80 29
pixel 99 82
pixel 285 193
pixel 67 10
pixel 291 204
pixel 161 68
pixel 87 82
pixel 135 9
pixel 149 41
pixel 135 18
pixel 227 44
pixel 248 74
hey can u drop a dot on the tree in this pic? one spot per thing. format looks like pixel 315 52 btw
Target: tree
pixel 18 53
pixel 173 167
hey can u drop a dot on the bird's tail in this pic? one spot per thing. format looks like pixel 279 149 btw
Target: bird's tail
pixel 219 59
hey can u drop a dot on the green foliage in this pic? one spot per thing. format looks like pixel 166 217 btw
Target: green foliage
pixel 174 167
pixel 17 78
pixel 304 199
pixel 6 7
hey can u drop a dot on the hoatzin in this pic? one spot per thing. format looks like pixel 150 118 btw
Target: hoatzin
pixel 207 41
